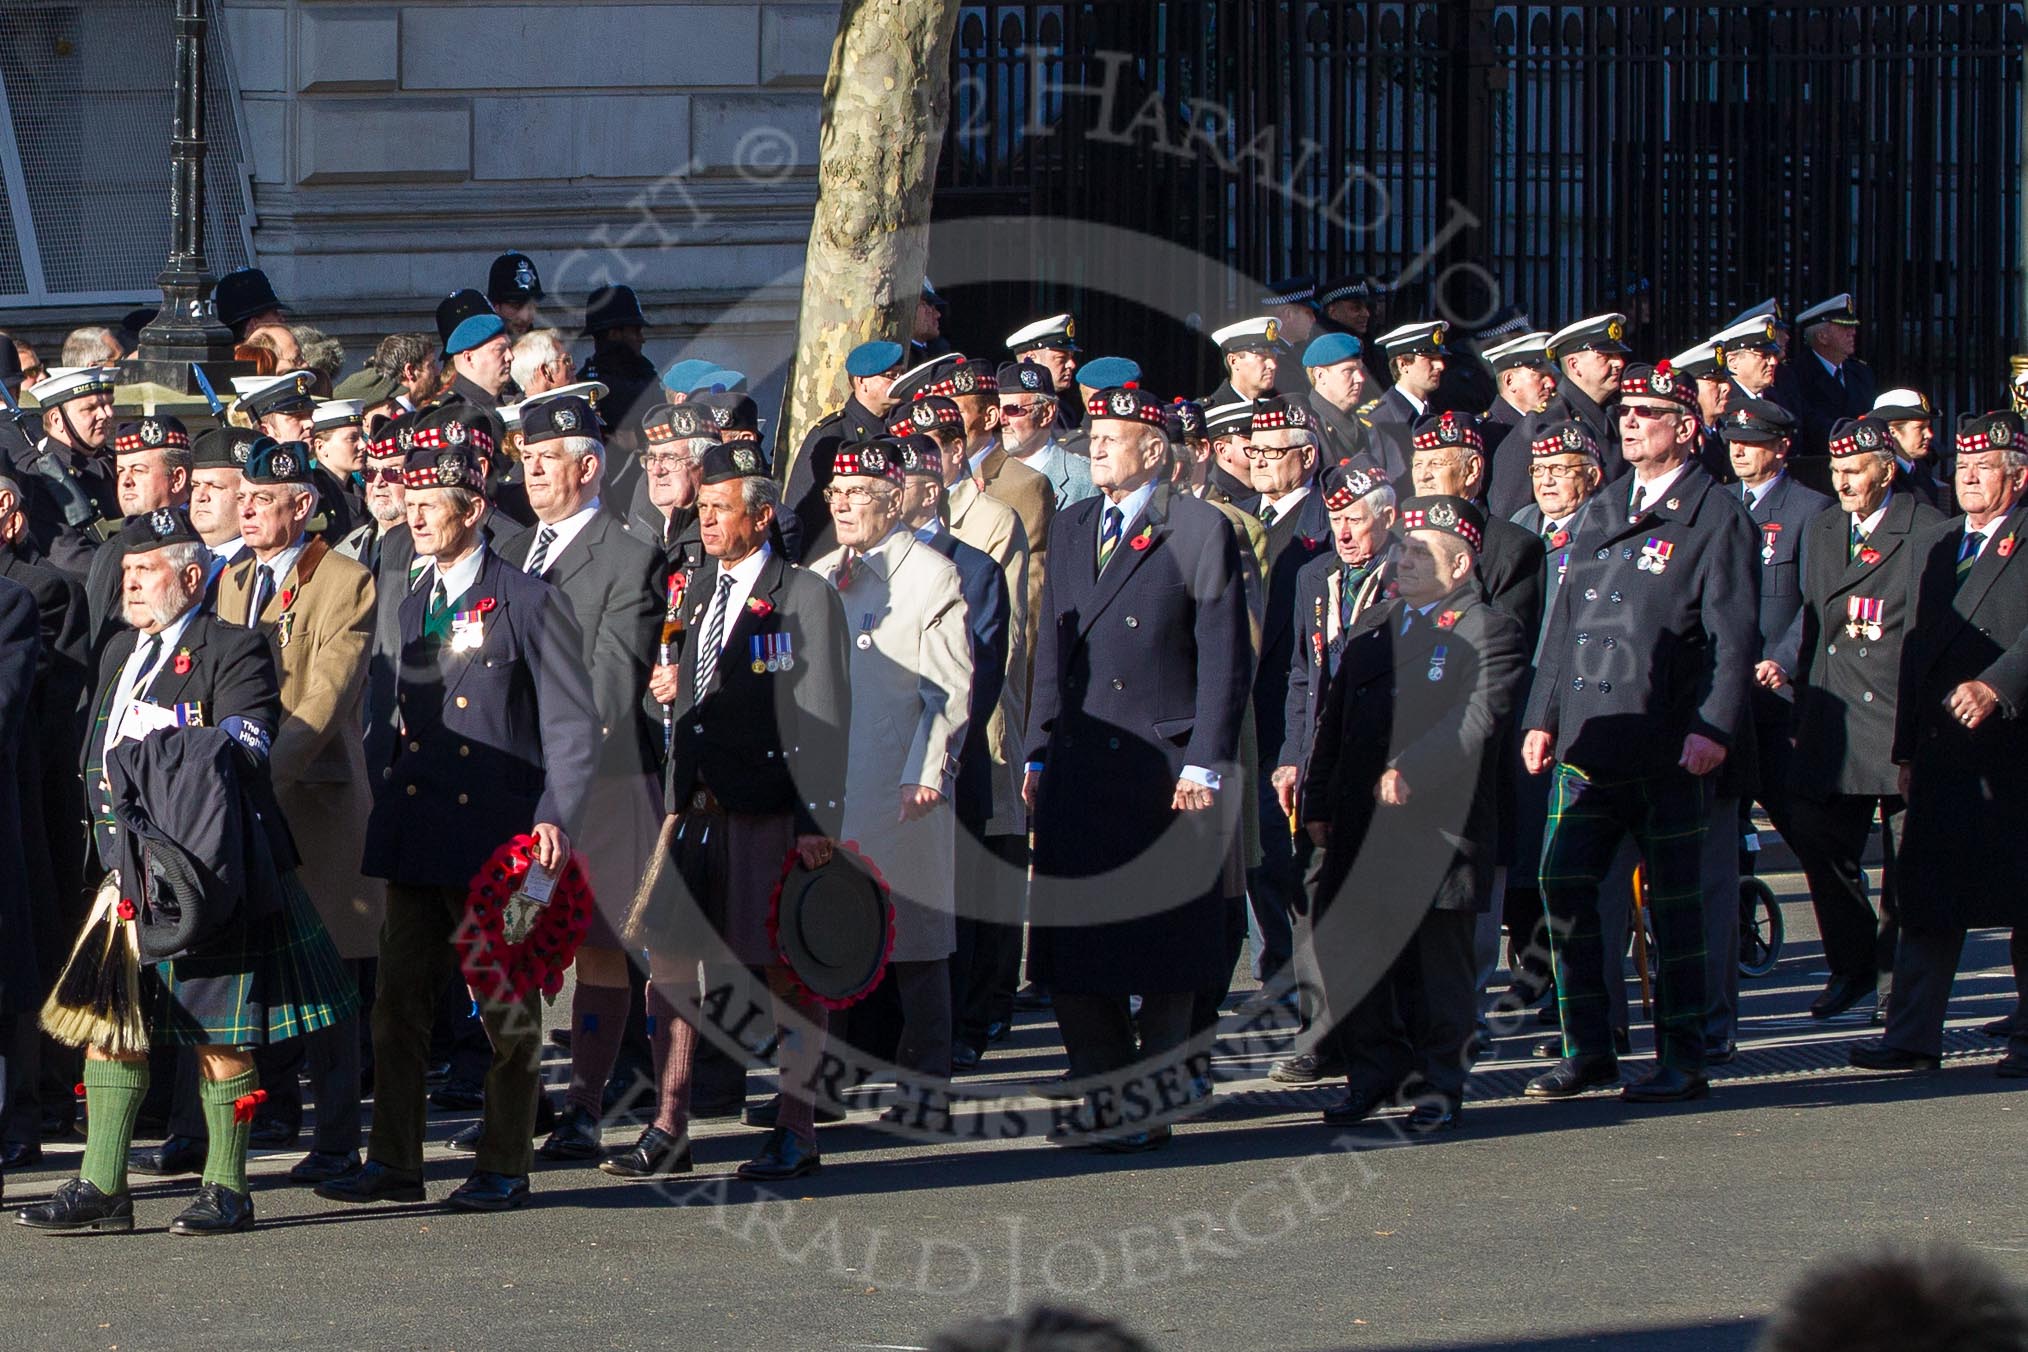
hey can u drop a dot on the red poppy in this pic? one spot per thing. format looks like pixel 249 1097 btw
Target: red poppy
pixel 1869 556
pixel 181 666
pixel 1447 619
pixel 486 604
pixel 288 598
pixel 2006 547
pixel 760 606
pixel 1141 541
pixel 126 909
pixel 1559 540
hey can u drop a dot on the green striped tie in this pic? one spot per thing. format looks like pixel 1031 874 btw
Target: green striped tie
pixel 1968 554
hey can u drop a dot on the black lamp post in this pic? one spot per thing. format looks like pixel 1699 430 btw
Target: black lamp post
pixel 186 329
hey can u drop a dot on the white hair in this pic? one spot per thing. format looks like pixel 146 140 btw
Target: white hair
pixel 1382 499
pixel 534 350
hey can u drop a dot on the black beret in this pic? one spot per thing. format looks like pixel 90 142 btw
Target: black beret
pixel 2001 430
pixel 553 419
pixel 875 459
pixel 223 447
pixel 1346 483
pixel 723 463
pixel 665 423
pixel 1859 436
pixel 1129 403
pixel 729 411
pixel 159 529
pixel 1025 377
pixel 1277 412
pixel 1450 429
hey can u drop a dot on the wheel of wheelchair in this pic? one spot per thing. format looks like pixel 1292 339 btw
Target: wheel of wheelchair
pixel 1760 928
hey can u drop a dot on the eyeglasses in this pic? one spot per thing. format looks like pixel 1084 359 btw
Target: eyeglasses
pixel 858 496
pixel 1021 410
pixel 390 474
pixel 666 459
pixel 1547 472
pixel 1255 451
pixel 1648 412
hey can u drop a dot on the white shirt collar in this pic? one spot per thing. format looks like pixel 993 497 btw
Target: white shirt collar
pixel 226 550
pixel 460 577
pixel 1287 502
pixel 1654 490
pixel 1036 458
pixel 285 561
pixel 1867 525
pixel 1421 406
pixel 172 633
pixel 1132 506
pixel 566 530
pixel 1754 495
pixel 1825 360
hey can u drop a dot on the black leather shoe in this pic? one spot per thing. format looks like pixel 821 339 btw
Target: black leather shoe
pixel 576 1137
pixel 78 1205
pixel 1032 996
pixel 2013 1066
pixel 1354 1108
pixel 1432 1116
pixel 1575 1075
pixel 373 1182
pixel 486 1191
pixel 320 1166
pixel 457 1097
pixel 273 1133
pixel 965 1057
pixel 1843 992
pixel 655 1154
pixel 1667 1085
pixel 2006 1027
pixel 765 1114
pixel 998 1031
pixel 1880 1056
pixel 1134 1142
pixel 785 1156
pixel 20 1155
pixel 1718 1053
pixel 465 1140
pixel 177 1155
pixel 1306 1068
pixel 216 1210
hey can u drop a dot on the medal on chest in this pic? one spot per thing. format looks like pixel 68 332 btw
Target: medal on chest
pixel 1655 555
pixel 1769 531
pixel 1863 616
pixel 468 631
pixel 1436 662
pixel 865 639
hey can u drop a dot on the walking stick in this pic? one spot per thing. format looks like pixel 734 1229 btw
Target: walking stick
pixel 1639 921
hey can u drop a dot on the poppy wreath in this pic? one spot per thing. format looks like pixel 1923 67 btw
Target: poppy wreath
pixel 501 971
pixel 789 862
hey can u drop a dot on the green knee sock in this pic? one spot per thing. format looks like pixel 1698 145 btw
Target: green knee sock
pixel 113 1094
pixel 225 1160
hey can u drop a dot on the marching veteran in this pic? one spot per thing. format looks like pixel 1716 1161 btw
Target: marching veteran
pixel 497 737
pixel 1402 796
pixel 317 608
pixel 1142 678
pixel 761 706
pixel 1960 744
pixel 270 972
pixel 911 687
pixel 1639 696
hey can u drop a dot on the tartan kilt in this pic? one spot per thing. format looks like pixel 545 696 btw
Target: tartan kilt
pixel 264 981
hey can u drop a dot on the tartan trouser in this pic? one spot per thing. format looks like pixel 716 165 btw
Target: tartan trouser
pixel 1666 815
